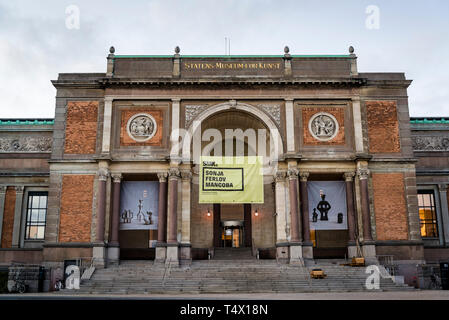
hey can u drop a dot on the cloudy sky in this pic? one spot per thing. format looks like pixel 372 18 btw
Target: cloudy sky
pixel 39 39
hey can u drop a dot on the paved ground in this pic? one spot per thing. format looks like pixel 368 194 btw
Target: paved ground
pixel 418 295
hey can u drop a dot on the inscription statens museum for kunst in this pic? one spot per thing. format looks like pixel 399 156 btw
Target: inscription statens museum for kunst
pixel 231 65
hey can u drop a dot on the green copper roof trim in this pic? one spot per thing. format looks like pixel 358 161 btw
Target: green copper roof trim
pixel 21 122
pixel 233 56
pixel 429 121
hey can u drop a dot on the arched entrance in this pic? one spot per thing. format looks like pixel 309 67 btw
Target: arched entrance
pixel 250 132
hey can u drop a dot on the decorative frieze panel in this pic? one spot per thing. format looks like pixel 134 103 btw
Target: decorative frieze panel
pixel 192 111
pixel 25 144
pixel 430 143
pixel 273 110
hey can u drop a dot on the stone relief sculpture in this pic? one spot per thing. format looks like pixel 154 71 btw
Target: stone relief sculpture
pixel 274 110
pixel 192 111
pixel 430 143
pixel 25 144
pixel 141 127
pixel 323 126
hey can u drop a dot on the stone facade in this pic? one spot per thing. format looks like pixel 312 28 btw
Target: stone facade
pixel 365 138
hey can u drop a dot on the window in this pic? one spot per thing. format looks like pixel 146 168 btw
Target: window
pixel 427 214
pixel 36 215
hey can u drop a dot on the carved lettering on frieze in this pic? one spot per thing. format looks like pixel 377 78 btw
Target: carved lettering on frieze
pixel 25 144
pixel 430 143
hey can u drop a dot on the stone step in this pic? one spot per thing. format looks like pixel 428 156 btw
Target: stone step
pixel 227 276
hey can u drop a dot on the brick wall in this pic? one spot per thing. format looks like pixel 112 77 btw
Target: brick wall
pixel 126 140
pixel 383 127
pixel 390 206
pixel 337 112
pixel 8 217
pixel 81 127
pixel 76 208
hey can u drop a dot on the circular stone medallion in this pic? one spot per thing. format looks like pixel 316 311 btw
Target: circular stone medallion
pixel 141 127
pixel 323 126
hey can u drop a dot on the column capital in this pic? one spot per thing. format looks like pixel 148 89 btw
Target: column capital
pixel 103 174
pixel 442 187
pixel 280 175
pixel 116 177
pixel 162 176
pixel 363 173
pixel 176 99
pixel 303 176
pixel 173 173
pixel 292 173
pixel 349 176
pixel 19 189
pixel 3 189
pixel 186 175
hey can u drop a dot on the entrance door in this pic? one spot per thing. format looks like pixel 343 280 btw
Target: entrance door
pixel 233 212
pixel 232 234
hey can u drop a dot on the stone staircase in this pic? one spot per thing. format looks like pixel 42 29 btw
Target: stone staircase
pixel 228 276
pixel 233 254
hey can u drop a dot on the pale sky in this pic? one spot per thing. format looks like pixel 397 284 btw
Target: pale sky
pixel 36 45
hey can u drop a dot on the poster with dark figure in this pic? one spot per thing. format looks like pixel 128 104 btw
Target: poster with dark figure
pixel 323 207
pixel 139 202
pixel 327 199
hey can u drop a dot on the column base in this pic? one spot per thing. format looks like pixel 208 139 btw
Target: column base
pixel 113 255
pixel 296 254
pixel 369 252
pixel 352 251
pixel 161 253
pixel 307 250
pixel 186 253
pixel 99 254
pixel 282 252
pixel 172 255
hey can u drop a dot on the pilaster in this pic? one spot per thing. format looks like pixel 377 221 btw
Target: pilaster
pixel 2 209
pixel 17 217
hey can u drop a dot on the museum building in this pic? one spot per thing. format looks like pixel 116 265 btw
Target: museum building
pixel 114 176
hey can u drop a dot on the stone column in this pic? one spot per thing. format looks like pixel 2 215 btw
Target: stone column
pixel 17 217
pixel 172 241
pixel 99 245
pixel 2 209
pixel 307 245
pixel 186 176
pixel 295 241
pixel 369 248
pixel 442 188
pixel 161 246
pixel 349 180
pixel 114 246
pixel 281 219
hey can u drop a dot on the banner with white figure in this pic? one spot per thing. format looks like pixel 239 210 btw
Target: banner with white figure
pixel 139 202
pixel 327 205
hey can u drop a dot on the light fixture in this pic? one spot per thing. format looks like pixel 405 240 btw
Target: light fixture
pixel 256 213
pixel 208 213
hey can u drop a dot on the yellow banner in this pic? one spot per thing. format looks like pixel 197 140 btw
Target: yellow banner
pixel 231 180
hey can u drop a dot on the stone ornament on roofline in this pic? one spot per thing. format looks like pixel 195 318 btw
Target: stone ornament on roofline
pixel 323 126
pixel 141 127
